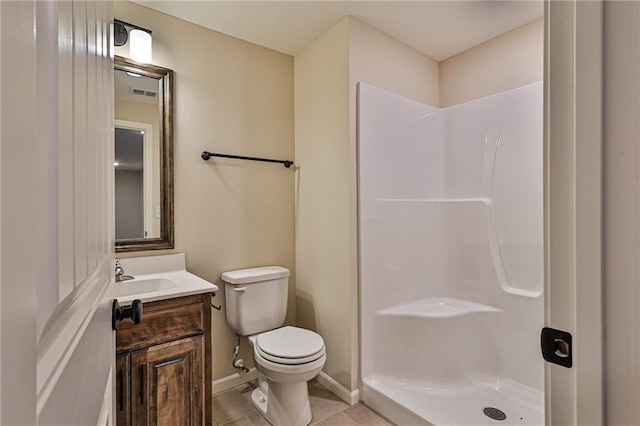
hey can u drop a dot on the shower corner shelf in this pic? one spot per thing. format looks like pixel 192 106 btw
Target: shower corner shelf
pixel 438 308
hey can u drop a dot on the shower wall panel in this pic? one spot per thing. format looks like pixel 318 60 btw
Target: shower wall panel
pixel 397 253
pixel 494 151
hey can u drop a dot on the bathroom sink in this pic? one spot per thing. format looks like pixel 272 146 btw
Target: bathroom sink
pixel 157 278
pixel 141 286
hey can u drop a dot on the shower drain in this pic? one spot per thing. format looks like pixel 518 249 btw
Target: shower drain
pixel 494 413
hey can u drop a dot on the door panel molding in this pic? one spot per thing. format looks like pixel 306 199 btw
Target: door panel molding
pixel 59 343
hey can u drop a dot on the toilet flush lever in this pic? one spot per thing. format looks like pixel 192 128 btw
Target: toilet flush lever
pixel 239 289
pixel 217 308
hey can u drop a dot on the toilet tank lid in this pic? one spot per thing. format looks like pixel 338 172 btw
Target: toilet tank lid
pixel 254 275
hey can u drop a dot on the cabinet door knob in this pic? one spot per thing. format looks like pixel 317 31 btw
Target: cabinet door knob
pixel 118 313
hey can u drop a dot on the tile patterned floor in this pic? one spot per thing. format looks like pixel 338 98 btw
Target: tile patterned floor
pixel 233 408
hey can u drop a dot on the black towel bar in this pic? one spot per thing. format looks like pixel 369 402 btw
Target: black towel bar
pixel 206 155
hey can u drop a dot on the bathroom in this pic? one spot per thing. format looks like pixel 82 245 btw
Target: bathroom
pixel 236 97
pixel 242 99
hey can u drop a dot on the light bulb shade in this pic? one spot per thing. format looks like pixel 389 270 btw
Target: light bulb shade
pixel 140 46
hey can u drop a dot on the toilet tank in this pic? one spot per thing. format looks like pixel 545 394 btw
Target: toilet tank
pixel 256 298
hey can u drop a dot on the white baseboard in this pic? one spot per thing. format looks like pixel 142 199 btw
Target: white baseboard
pixel 350 397
pixel 233 380
pixel 225 383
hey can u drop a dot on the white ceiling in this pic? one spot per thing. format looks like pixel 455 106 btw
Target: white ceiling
pixel 438 29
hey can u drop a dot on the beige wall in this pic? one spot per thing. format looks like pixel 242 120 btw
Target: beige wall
pixel 323 228
pixel 326 74
pixel 231 97
pixel 138 111
pixel 511 60
pixel 382 61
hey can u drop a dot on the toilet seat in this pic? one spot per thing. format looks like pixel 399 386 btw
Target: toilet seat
pixel 290 346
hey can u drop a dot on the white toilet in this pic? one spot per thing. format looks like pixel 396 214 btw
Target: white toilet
pixel 287 357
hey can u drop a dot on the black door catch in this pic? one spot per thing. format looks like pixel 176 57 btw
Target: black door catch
pixel 556 346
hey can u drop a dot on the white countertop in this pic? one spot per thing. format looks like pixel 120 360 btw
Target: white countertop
pixel 157 278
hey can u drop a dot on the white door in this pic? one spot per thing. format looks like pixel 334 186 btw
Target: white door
pixel 573 207
pixel 56 342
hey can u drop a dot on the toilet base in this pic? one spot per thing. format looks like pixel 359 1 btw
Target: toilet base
pixel 283 404
pixel 259 401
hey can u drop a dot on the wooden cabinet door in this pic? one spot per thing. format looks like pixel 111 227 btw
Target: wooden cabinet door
pixel 123 389
pixel 167 383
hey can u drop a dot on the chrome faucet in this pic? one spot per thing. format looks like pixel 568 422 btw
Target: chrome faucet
pixel 120 276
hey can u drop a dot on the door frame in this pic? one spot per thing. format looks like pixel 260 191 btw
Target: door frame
pixel 18 286
pixel 573 206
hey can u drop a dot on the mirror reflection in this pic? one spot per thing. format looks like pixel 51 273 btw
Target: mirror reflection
pixel 143 156
pixel 137 156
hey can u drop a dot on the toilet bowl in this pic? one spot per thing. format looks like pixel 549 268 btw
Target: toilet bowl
pixel 286 358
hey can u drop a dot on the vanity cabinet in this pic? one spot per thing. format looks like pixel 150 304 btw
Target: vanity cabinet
pixel 163 364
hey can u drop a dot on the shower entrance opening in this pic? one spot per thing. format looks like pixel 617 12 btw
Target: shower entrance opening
pixel 451 258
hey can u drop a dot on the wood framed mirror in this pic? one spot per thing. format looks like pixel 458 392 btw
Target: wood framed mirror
pixel 143 127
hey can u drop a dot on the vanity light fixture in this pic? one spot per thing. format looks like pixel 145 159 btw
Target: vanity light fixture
pixel 139 39
pixel 140 45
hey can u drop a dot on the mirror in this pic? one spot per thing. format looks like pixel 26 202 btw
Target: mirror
pixel 143 156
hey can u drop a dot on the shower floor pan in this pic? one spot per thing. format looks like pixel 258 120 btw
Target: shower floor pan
pixel 418 402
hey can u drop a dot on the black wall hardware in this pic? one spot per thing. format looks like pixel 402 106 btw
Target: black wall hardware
pixel 556 346
pixel 121 34
pixel 206 155
pixel 118 313
pixel 218 308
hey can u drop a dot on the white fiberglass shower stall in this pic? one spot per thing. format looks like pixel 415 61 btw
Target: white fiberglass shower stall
pixel 451 258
